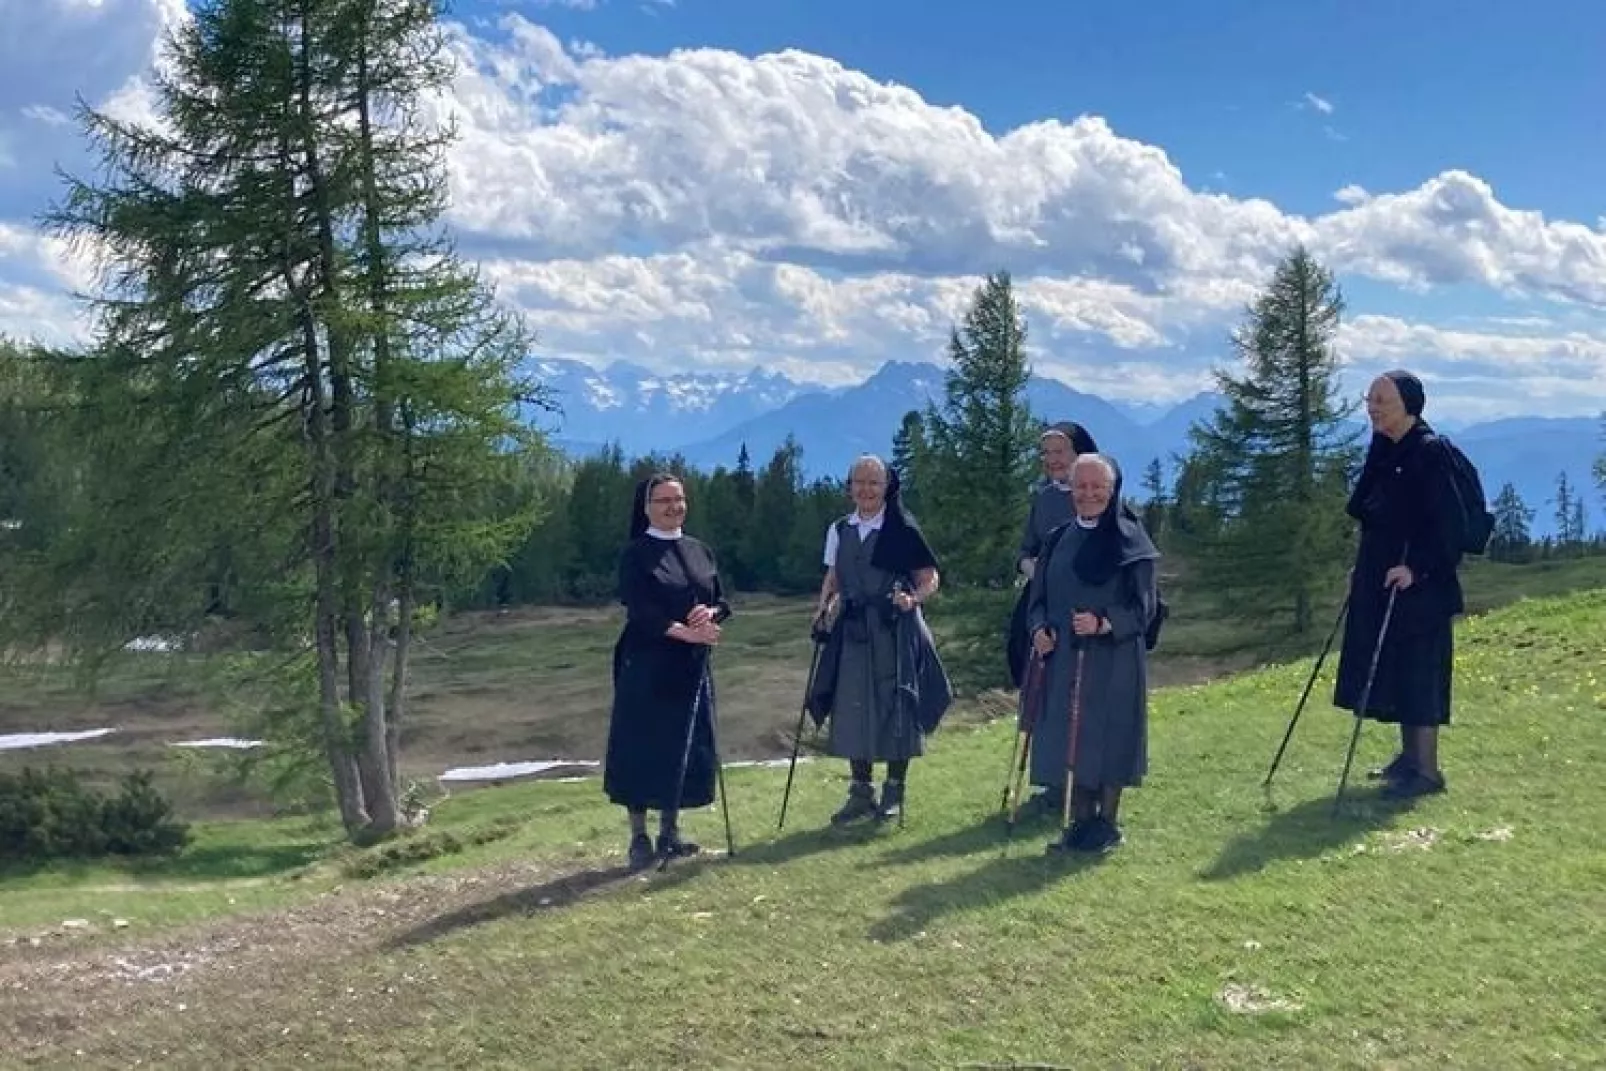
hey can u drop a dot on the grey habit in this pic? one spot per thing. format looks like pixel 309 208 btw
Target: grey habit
pixel 1112 741
pixel 866 721
pixel 1051 507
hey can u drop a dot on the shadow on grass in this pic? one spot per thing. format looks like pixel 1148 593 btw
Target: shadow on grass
pixel 988 833
pixel 1304 831
pixel 534 900
pixel 918 906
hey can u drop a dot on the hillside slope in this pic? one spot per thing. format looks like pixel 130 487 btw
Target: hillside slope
pixel 1233 930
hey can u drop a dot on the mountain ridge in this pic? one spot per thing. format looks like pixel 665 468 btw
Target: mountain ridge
pixel 707 417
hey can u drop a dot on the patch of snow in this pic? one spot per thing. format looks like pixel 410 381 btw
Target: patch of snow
pixel 1499 833
pixel 160 644
pixel 600 395
pixel 502 771
pixel 217 741
pixel 24 741
pixel 767 762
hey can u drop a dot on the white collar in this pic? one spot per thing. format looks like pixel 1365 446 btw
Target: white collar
pixel 1087 525
pixel 868 523
pixel 661 533
pixel 1059 485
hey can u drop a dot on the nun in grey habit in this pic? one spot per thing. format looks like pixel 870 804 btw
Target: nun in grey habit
pixel 879 681
pixel 1091 598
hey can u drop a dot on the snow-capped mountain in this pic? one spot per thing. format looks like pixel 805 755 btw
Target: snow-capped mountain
pixel 644 411
pixel 708 417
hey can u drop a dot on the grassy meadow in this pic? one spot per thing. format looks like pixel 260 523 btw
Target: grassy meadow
pixel 1236 928
pixel 533 684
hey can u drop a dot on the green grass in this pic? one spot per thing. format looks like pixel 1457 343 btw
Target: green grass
pixel 1468 931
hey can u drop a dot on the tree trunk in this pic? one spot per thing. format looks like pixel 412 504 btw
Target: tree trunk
pixel 378 779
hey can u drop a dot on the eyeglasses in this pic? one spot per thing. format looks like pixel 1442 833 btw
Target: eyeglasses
pixel 668 501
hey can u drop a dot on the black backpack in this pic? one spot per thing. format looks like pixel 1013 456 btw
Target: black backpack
pixel 1477 523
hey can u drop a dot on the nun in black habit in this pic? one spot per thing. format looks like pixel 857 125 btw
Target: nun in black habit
pixel 1410 544
pixel 879 681
pixel 1092 597
pixel 661 753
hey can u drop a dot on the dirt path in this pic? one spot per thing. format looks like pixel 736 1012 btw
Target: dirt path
pixel 78 986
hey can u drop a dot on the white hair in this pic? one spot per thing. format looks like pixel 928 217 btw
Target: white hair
pixel 1094 459
pixel 864 461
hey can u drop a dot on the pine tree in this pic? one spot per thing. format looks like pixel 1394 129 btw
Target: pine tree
pixel 1271 468
pixel 1511 541
pixel 908 454
pixel 1154 503
pixel 1565 501
pixel 775 511
pixel 1600 462
pixel 322 387
pixel 982 443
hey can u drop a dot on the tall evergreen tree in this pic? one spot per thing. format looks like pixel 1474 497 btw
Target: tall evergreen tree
pixel 908 455
pixel 775 510
pixel 1565 502
pixel 1600 462
pixel 981 443
pixel 1512 540
pixel 1274 461
pixel 302 347
pixel 1154 500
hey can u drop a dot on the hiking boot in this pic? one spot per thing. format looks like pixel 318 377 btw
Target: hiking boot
pixel 672 846
pixel 641 853
pixel 891 802
pixel 860 804
pixel 1074 839
pixel 1104 836
pixel 1413 785
pixel 1401 766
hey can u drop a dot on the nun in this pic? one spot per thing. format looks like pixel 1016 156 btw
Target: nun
pixel 879 682
pixel 1058 446
pixel 1408 551
pixel 661 752
pixel 1092 595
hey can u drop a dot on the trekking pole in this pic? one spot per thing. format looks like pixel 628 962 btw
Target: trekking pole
pixel 1076 725
pixel 719 768
pixel 898 626
pixel 1032 701
pixel 1303 696
pixel 1021 749
pixel 705 660
pixel 797 733
pixel 1366 692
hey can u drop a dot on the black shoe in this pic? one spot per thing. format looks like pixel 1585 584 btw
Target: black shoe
pixel 891 802
pixel 1414 785
pixel 1402 766
pixel 1074 839
pixel 860 804
pixel 641 853
pixel 1105 836
pixel 672 846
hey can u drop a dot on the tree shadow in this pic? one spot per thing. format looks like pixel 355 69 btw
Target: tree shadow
pixel 534 900
pixel 918 906
pixel 1305 831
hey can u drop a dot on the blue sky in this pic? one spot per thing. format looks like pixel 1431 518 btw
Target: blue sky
pixel 815 186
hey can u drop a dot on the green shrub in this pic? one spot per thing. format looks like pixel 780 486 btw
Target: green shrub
pixel 51 814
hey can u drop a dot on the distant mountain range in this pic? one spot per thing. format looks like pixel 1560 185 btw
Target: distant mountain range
pixel 707 417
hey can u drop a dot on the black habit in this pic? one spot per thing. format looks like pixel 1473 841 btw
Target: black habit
pixel 1405 503
pixel 658 682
